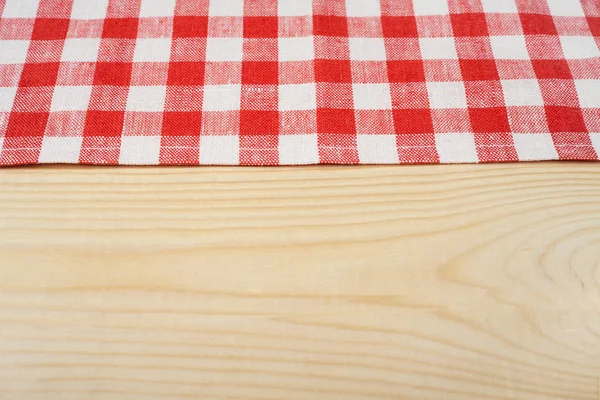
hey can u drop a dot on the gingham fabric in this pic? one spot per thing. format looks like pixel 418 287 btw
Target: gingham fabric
pixel 275 82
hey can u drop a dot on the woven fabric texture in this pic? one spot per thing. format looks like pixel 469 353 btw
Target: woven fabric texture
pixel 285 82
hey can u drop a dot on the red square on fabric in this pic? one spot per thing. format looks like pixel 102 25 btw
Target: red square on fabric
pixel 486 120
pixel 473 24
pixel 479 70
pixel 412 120
pixel 406 71
pixel 21 151
pixel 190 26
pixel 120 28
pixel 23 124
pixel 405 26
pixel 182 123
pixel 330 25
pixel 261 27
pixel 260 72
pixel 50 29
pixel 551 69
pixel 594 23
pixel 334 71
pixel 42 74
pixel 417 148
pixel 253 122
pixel 112 74
pixel 186 73
pixel 338 121
pixel 104 123
pixel 538 24
pixel 565 119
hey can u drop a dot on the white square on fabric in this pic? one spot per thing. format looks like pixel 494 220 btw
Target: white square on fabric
pixel 298 149
pixel 157 8
pixel 509 47
pixel 499 6
pixel 377 149
pixel 86 9
pixel 20 8
pixel 595 137
pixel 566 8
pixel 7 98
pixel 71 98
pixel 367 49
pixel 140 150
pixel 219 150
pixel 372 96
pixel 447 95
pixel 81 50
pixel 588 91
pixel 146 98
pixel 224 49
pixel 152 50
pixel 294 8
pixel 297 97
pixel 456 148
pixel 221 97
pixel 13 51
pixel 522 92
pixel 579 47
pixel 363 8
pixel 226 8
pixel 59 149
pixel 441 48
pixel 535 146
pixel 297 49
pixel 431 7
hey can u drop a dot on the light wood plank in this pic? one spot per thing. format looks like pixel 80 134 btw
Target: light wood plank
pixel 429 282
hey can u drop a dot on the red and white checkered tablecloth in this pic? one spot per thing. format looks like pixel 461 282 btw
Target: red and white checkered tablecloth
pixel 275 82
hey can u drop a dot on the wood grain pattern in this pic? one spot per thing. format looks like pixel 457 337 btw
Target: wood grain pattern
pixel 440 282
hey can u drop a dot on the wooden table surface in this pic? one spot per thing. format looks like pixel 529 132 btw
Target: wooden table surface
pixel 428 282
